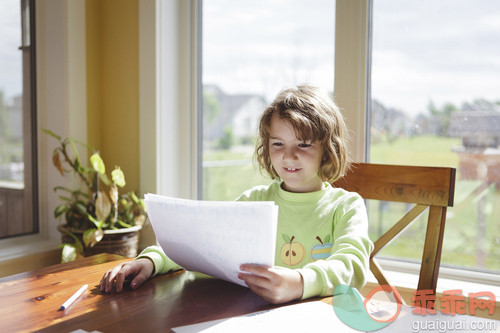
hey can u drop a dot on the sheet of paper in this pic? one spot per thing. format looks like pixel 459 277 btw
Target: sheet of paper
pixel 315 316
pixel 214 237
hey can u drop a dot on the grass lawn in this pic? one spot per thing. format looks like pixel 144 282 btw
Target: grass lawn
pixel 422 150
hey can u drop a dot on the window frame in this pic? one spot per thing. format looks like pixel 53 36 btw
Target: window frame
pixel 56 83
pixel 26 205
pixel 30 120
pixel 362 10
pixel 60 86
pixel 352 94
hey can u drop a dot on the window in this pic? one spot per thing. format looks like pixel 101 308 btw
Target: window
pixel 435 101
pixel 251 51
pixel 17 130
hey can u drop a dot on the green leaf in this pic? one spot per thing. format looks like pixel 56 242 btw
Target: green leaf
pixel 75 151
pixel 118 177
pixel 83 144
pixel 143 204
pixel 286 238
pixel 124 203
pixel 81 208
pixel 97 163
pixel 62 188
pixel 123 224
pixel 97 223
pixel 92 236
pixel 83 194
pixel 77 245
pixel 52 134
pixel 134 197
pixel 82 169
pixel 81 202
pixel 326 239
pixel 69 253
pixel 61 209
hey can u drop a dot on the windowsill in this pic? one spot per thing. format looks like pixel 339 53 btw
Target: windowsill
pixel 22 246
pixel 12 185
pixel 405 274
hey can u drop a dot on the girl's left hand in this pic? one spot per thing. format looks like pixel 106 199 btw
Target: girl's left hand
pixel 274 284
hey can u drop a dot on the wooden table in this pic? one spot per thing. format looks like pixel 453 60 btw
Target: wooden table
pixel 29 301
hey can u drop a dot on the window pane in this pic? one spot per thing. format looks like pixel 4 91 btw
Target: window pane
pixel 11 108
pixel 251 51
pixel 17 156
pixel 435 101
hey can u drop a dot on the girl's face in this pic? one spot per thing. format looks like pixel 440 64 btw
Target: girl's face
pixel 297 163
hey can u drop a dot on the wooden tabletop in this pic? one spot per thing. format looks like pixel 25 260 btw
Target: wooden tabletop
pixel 30 301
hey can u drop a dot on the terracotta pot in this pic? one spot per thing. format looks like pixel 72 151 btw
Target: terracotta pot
pixel 124 242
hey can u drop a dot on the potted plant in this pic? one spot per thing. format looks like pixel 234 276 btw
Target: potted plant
pixel 96 217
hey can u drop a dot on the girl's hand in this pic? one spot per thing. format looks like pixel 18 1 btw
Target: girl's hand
pixel 139 270
pixel 274 284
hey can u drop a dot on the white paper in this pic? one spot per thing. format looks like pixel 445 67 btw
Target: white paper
pixel 315 316
pixel 214 237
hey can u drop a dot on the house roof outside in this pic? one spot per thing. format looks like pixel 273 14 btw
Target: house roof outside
pixel 238 111
pixel 475 123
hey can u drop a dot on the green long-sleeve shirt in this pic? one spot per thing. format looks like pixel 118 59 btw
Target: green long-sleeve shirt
pixel 323 234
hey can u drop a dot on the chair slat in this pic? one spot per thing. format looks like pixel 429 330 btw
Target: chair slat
pixel 397 228
pixel 382 280
pixel 423 185
pixel 377 272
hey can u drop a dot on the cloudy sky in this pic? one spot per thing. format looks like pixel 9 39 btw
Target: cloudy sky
pixel 439 50
pixel 261 46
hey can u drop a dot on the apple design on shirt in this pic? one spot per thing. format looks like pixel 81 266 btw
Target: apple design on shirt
pixel 292 252
pixel 322 251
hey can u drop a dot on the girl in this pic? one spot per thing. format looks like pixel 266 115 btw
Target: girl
pixel 322 231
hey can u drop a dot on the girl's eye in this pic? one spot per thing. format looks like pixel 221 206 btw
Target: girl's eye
pixel 304 145
pixel 277 144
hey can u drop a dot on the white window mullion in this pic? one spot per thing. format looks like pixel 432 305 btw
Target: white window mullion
pixel 351 70
pixel 168 90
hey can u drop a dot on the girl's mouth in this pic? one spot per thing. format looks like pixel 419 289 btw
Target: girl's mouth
pixel 292 169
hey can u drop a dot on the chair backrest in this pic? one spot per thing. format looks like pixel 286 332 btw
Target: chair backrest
pixel 425 187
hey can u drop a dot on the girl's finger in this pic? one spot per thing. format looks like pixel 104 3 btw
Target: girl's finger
pixel 256 269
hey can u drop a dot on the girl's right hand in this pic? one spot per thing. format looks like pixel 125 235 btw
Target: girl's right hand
pixel 138 270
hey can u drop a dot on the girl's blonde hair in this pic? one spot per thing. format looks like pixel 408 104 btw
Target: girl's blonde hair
pixel 315 117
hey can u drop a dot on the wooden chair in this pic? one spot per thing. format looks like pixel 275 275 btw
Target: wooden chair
pixel 425 187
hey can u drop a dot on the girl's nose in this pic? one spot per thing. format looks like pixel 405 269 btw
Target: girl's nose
pixel 290 154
